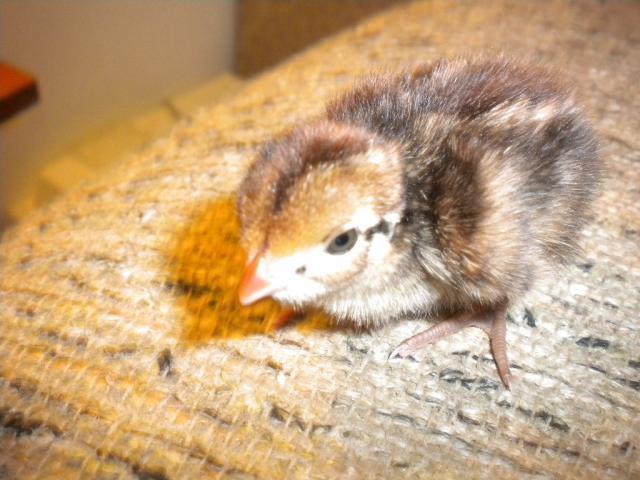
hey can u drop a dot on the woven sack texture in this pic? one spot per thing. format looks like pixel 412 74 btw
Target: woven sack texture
pixel 124 352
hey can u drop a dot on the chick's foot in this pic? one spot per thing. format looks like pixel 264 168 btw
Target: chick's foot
pixel 283 319
pixel 493 322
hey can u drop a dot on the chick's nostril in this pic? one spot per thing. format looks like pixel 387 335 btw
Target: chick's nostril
pixel 301 270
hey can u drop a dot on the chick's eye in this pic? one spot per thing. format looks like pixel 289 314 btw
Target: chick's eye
pixel 343 243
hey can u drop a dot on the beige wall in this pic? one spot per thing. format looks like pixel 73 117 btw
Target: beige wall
pixel 96 61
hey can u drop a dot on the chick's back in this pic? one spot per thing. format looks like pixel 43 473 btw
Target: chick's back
pixel 500 168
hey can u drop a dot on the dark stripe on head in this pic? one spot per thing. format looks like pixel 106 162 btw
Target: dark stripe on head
pixel 381 227
pixel 306 148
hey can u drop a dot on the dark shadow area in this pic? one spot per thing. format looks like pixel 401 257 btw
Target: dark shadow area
pixel 268 32
pixel 206 267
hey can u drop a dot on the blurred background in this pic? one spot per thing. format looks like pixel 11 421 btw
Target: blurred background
pixel 84 82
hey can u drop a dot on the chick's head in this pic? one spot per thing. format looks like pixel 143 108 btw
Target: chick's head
pixel 318 210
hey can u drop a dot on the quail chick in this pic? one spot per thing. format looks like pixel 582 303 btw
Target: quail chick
pixel 444 190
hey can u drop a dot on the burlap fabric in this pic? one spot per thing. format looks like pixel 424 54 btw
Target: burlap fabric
pixel 123 352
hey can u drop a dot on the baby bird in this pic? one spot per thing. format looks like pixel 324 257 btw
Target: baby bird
pixel 441 191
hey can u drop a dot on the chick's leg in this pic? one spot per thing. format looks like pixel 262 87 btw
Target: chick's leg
pixel 493 322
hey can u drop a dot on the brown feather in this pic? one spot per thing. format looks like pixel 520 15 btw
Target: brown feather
pixel 492 164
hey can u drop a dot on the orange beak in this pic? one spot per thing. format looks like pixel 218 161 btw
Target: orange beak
pixel 254 285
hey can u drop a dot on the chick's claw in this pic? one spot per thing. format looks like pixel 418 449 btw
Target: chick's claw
pixel 402 198
pixel 492 322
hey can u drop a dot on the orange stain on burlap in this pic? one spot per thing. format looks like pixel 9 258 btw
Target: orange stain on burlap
pixel 207 265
